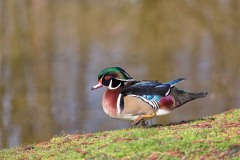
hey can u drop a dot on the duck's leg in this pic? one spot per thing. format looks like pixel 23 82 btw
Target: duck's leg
pixel 142 117
pixel 143 123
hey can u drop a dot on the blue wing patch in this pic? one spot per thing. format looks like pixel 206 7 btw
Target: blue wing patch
pixel 152 97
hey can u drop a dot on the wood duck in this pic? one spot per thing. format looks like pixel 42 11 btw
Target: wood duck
pixel 130 99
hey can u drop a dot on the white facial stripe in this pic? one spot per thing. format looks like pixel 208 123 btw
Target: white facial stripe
pixel 110 85
pixel 126 74
pixel 125 80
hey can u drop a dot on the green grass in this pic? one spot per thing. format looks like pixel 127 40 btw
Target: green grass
pixel 216 137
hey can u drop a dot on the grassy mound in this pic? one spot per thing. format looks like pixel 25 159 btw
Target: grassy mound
pixel 207 138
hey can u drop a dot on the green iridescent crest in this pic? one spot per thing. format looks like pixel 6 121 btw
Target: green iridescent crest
pixel 115 72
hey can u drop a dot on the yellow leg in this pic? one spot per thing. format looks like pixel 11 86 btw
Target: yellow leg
pixel 141 117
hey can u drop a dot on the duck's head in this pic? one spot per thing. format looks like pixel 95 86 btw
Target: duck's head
pixel 112 77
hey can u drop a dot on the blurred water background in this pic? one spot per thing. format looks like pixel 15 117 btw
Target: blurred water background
pixel 52 51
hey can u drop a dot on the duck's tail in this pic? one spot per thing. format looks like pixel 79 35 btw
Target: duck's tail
pixel 181 97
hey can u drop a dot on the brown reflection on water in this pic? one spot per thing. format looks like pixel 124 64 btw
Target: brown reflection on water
pixel 52 51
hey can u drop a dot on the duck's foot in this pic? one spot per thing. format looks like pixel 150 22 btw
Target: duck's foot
pixel 142 118
pixel 137 121
pixel 141 124
pixel 144 124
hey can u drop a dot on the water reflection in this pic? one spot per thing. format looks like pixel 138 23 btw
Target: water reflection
pixel 52 51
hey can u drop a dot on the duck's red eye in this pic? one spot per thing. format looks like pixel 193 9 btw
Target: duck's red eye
pixel 107 77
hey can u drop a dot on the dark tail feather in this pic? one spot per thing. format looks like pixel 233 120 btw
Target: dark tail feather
pixel 181 97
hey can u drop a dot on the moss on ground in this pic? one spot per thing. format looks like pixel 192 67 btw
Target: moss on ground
pixel 215 137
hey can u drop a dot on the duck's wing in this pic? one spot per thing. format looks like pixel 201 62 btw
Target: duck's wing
pixel 141 88
pixel 149 91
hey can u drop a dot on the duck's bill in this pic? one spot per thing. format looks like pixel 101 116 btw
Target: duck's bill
pixel 99 85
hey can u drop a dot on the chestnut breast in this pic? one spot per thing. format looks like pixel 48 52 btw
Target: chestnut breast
pixel 109 101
